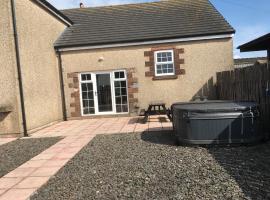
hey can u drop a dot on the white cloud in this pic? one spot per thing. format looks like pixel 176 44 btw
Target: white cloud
pixel 236 56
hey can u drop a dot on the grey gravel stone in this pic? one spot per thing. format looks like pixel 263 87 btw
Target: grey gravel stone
pixel 15 153
pixel 149 166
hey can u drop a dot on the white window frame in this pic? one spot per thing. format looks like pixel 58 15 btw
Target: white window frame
pixel 85 81
pixel 81 95
pixel 120 79
pixel 160 63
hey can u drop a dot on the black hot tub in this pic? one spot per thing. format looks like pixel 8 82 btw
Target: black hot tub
pixel 216 122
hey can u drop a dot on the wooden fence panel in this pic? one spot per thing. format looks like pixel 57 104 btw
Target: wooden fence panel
pixel 247 84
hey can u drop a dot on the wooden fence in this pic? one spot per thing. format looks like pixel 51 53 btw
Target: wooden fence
pixel 247 84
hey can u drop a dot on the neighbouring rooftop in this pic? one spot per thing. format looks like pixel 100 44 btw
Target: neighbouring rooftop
pixel 247 62
pixel 259 44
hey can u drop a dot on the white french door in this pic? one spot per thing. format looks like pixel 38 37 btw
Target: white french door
pixel 103 93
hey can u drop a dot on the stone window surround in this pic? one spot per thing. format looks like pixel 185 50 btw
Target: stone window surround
pixel 75 104
pixel 170 62
pixel 150 63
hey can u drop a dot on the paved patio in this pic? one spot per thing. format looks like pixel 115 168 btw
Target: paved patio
pixel 20 183
pixel 105 126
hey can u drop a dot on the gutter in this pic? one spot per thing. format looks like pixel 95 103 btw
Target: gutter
pixel 139 43
pixel 62 86
pixel 18 62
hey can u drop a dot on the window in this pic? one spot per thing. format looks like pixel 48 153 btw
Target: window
pixel 164 64
pixel 87 94
pixel 120 88
pixel 86 77
pixel 119 75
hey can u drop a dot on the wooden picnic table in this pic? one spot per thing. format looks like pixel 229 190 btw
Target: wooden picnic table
pixel 157 108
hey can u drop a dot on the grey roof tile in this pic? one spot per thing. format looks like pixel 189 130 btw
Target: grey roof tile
pixel 142 22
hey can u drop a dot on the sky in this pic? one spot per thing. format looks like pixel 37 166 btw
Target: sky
pixel 250 18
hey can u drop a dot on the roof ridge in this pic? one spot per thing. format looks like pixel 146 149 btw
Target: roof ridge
pixel 118 5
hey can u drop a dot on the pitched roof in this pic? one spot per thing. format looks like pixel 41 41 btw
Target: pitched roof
pixel 142 22
pixel 56 13
pixel 259 44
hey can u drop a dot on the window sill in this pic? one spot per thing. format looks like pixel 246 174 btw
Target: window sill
pixel 168 77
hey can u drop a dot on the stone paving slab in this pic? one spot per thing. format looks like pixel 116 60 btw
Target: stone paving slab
pixel 20 172
pixel 18 194
pixel 6 182
pixel 2 191
pixel 105 126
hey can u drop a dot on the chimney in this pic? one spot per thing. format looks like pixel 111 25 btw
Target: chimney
pixel 81 5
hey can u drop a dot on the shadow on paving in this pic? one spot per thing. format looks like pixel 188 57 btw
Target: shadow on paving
pixel 14 154
pixel 159 137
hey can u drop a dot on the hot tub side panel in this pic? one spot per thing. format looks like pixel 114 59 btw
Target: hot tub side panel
pixel 216 128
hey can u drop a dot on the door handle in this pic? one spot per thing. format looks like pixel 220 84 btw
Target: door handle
pixel 95 93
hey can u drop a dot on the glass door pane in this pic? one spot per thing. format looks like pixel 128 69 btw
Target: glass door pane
pixel 120 90
pixel 104 93
pixel 121 96
pixel 87 95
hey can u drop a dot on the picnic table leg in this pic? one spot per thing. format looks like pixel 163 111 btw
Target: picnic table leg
pixel 169 115
pixel 145 119
pixel 164 109
pixel 159 109
pixel 167 112
pixel 146 114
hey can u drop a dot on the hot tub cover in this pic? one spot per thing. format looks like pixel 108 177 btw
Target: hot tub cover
pixel 214 106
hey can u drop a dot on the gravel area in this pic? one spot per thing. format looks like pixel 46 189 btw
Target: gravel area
pixel 15 153
pixel 149 166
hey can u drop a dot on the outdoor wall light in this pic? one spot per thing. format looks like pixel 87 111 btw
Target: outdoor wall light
pixel 101 59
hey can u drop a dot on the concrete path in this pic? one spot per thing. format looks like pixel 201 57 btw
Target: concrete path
pixel 22 182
